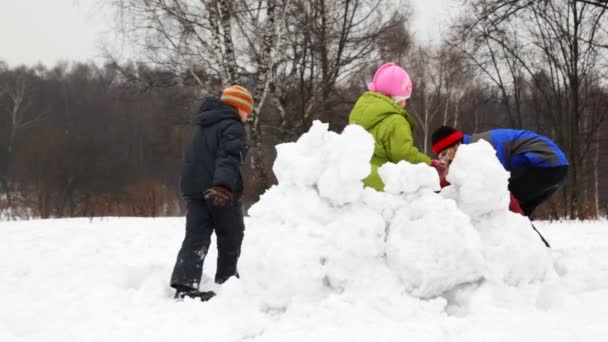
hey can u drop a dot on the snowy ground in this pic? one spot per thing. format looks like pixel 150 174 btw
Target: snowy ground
pixel 323 260
pixel 106 280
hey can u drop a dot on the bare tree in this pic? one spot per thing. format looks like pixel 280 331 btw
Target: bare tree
pixel 16 89
pixel 329 44
pixel 553 45
pixel 213 41
pixel 427 103
pixel 292 53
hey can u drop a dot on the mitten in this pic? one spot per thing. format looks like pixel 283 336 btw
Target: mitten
pixel 441 167
pixel 443 182
pixel 219 196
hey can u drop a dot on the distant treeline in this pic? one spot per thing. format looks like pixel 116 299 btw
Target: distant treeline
pixel 89 140
pixel 81 141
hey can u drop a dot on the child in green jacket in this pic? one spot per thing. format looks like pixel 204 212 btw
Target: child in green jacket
pixel 381 111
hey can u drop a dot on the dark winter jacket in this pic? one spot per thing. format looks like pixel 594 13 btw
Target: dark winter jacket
pixel 515 148
pixel 216 152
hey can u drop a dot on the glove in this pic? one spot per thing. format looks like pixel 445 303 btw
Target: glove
pixel 442 169
pixel 514 206
pixel 219 196
pixel 443 182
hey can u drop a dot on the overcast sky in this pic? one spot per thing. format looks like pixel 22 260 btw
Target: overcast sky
pixel 48 31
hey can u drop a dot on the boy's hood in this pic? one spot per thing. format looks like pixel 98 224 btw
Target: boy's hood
pixel 213 110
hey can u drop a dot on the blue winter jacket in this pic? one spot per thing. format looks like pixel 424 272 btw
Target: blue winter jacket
pixel 515 148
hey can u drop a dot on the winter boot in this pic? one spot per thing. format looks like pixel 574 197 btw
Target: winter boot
pixel 183 292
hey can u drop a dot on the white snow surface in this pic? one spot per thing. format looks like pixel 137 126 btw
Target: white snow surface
pixel 323 259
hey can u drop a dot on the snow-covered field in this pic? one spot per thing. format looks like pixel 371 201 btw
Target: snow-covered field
pixel 323 260
pixel 107 280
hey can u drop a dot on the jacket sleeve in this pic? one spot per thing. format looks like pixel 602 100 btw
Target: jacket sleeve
pixel 399 143
pixel 228 157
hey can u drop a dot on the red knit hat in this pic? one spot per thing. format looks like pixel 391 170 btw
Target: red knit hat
pixel 238 97
pixel 444 137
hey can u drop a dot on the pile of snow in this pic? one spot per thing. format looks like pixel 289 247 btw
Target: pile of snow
pixel 511 247
pixel 341 237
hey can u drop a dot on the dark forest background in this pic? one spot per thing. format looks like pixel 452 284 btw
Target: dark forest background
pixel 81 139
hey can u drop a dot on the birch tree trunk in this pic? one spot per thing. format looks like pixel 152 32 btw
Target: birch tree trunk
pixel 596 175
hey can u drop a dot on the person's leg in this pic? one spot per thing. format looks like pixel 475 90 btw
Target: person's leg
pixel 229 230
pixel 529 206
pixel 188 268
pixel 533 185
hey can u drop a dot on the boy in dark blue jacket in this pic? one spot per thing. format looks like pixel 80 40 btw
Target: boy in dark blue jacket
pixel 538 166
pixel 212 185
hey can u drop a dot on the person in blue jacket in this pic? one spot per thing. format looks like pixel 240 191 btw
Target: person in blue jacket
pixel 538 166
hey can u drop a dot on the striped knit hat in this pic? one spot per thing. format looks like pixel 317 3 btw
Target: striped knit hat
pixel 238 97
pixel 444 137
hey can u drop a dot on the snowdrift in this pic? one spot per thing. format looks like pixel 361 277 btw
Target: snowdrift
pixel 326 233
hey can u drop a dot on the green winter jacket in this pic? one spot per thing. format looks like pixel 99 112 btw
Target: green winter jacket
pixel 391 127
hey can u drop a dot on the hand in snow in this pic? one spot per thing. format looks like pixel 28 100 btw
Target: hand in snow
pixel 219 196
pixel 442 170
pixel 443 182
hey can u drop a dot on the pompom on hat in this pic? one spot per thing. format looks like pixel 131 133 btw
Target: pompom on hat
pixel 238 97
pixel 391 80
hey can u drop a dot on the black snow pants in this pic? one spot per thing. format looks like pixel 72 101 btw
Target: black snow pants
pixel 201 221
pixel 533 185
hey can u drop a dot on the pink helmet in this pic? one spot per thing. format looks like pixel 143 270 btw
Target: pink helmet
pixel 391 80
